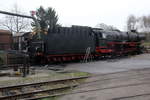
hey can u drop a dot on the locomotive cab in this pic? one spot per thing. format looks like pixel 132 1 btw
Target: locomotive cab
pixel 101 42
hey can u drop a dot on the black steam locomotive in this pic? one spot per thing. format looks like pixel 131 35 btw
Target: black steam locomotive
pixel 78 42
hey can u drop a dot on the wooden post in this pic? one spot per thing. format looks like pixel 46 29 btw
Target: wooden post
pixel 26 66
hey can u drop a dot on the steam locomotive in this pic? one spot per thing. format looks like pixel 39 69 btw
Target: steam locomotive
pixel 77 42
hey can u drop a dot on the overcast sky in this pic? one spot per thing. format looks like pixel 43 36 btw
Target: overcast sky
pixel 86 12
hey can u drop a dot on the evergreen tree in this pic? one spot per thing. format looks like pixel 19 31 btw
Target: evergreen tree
pixel 47 18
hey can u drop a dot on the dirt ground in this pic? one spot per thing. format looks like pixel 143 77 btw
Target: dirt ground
pixel 119 79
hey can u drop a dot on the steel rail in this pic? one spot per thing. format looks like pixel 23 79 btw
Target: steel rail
pixel 40 83
pixel 24 95
pixel 133 96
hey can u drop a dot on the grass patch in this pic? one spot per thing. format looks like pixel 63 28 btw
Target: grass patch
pixel 146 44
pixel 78 74
pixel 50 98
pixel 50 76
pixel 70 74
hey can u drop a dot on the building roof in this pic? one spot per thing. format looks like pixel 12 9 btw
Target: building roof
pixel 21 34
pixel 4 31
pixel 18 34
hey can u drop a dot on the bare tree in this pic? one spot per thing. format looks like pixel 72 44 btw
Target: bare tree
pixel 15 24
pixel 145 23
pixel 131 23
pixel 106 27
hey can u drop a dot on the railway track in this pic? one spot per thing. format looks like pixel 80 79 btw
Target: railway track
pixel 122 82
pixel 38 90
pixel 98 90
pixel 47 89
